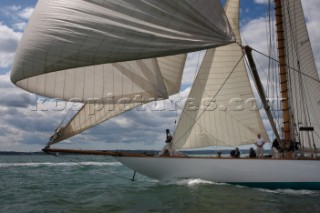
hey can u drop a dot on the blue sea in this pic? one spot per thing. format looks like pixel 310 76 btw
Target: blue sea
pixel 41 183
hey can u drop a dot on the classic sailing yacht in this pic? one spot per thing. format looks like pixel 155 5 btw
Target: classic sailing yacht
pixel 117 55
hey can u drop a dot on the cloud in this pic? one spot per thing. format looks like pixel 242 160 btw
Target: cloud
pixel 9 40
pixel 26 13
pixel 193 64
pixel 10 11
pixel 10 96
pixel 17 15
pixel 261 1
pixel 258 39
pixel 21 100
pixel 19 26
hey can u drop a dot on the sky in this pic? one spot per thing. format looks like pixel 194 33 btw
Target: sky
pixel 26 123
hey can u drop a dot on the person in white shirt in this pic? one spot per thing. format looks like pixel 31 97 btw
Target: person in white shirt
pixel 259 143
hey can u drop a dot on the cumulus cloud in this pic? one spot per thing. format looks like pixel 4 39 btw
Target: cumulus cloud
pixel 10 11
pixel 10 96
pixel 9 40
pixel 193 64
pixel 19 25
pixel 17 15
pixel 26 13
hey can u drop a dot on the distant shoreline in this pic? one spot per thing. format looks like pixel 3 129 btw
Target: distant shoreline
pixel 20 153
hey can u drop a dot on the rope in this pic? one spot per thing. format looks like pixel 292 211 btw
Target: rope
pixel 291 68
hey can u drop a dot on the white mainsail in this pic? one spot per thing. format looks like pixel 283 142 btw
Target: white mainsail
pixel 224 114
pixel 70 46
pixel 304 86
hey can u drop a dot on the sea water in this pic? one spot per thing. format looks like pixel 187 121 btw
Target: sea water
pixel 99 184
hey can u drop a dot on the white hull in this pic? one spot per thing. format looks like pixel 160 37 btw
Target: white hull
pixel 239 171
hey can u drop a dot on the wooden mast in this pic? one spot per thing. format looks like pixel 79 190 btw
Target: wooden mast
pixel 283 71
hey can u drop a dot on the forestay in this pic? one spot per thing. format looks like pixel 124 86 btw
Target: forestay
pixel 222 110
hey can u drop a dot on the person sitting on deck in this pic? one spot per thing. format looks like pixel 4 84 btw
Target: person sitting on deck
pixel 235 153
pixel 252 153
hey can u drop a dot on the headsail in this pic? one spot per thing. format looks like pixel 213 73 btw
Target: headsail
pixel 224 115
pixel 169 69
pixel 304 86
pixel 67 45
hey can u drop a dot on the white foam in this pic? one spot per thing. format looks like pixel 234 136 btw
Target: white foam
pixel 193 182
pixel 292 192
pixel 64 164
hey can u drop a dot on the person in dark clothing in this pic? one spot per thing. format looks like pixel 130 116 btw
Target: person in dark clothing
pixel 235 153
pixel 252 153
pixel 168 136
pixel 168 149
pixel 275 149
pixel 275 144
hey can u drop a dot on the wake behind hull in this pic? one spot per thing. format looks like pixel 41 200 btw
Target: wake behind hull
pixel 265 173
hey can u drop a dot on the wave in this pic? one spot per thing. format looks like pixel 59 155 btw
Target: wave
pixel 193 182
pixel 64 164
pixel 292 192
pixel 196 182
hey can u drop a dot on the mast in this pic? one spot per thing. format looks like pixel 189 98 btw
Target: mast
pixel 283 71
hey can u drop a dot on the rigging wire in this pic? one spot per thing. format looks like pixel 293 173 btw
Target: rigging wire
pixel 291 68
pixel 273 80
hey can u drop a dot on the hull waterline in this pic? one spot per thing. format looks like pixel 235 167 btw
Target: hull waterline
pixel 264 173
